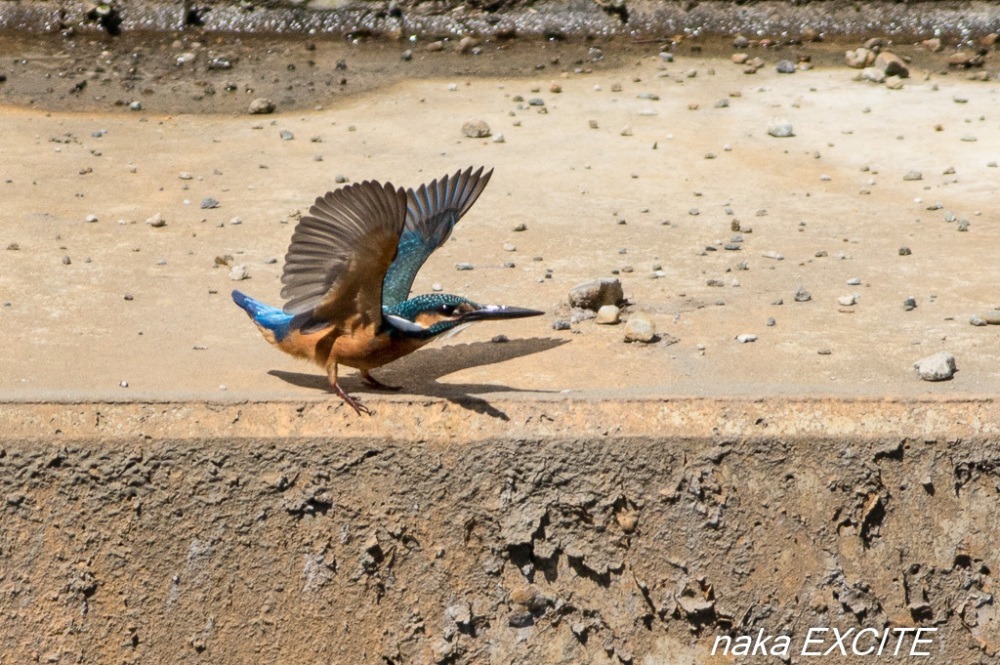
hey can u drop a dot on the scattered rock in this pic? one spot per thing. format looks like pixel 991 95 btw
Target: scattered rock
pixel 859 58
pixel 286 135
pixel 848 300
pixel 910 304
pixel 476 129
pixel 608 315
pixel 913 175
pixel 594 295
pixel 937 367
pixel 261 106
pixel 209 203
pixel 905 251
pixel 639 328
pixel 892 65
pixel 239 272
pixel 965 60
pixel 156 221
pixel 781 129
pixel 976 320
pixel 873 74
pixel 560 324
pixel 746 338
pixel 463 266
pixel 933 45
pixel 785 67
pixel 801 295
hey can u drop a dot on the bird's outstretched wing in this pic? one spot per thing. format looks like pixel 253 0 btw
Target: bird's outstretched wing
pixel 339 255
pixel 431 213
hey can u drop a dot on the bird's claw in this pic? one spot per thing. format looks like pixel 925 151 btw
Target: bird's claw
pixel 353 402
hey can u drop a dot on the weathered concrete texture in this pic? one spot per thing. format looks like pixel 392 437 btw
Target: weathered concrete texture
pixel 542 532
pixel 553 18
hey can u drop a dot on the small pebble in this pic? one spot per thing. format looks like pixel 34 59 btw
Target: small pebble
pixel 801 295
pixel 286 135
pixel 476 129
pixel 976 320
pixel 771 322
pixel 239 272
pixel 785 67
pixel 905 251
pixel 260 106
pixel 463 266
pixel 66 260
pixel 156 221
pixel 847 301
pixel 608 315
pixel 780 129
pixel 208 203
pixel 560 324
pixel 91 219
pixel 746 338
pixel 854 281
pixel 913 175
pixel 909 304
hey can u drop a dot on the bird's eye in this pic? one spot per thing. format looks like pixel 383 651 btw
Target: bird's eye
pixel 447 310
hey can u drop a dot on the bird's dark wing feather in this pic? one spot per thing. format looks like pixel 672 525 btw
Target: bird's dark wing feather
pixel 339 255
pixel 431 213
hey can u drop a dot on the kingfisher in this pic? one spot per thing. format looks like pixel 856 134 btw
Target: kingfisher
pixel 348 273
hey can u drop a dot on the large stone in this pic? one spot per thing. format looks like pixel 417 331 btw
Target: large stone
pixel 937 367
pixel 594 295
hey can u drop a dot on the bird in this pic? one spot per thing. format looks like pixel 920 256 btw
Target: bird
pixel 349 270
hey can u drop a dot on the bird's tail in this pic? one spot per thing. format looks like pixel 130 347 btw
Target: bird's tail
pixel 269 319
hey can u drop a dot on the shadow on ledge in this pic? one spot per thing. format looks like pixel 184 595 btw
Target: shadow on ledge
pixel 418 373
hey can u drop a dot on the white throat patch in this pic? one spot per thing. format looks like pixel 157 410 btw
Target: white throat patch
pixel 405 325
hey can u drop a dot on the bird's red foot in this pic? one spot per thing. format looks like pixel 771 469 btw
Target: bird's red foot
pixel 354 403
pixel 375 383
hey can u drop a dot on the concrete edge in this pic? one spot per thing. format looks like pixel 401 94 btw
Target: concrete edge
pixel 462 421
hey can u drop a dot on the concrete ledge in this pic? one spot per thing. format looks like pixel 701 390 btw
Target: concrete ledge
pixel 560 531
pixel 471 419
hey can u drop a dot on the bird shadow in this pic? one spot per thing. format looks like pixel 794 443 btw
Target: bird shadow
pixel 418 373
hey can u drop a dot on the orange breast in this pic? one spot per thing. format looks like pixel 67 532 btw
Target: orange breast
pixel 360 348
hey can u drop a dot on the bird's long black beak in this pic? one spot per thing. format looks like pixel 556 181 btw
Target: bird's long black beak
pixel 495 312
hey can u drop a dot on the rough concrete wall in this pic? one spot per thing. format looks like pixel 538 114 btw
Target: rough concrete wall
pixel 613 547
pixel 507 18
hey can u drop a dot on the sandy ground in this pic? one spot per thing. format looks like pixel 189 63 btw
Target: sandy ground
pixel 150 306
